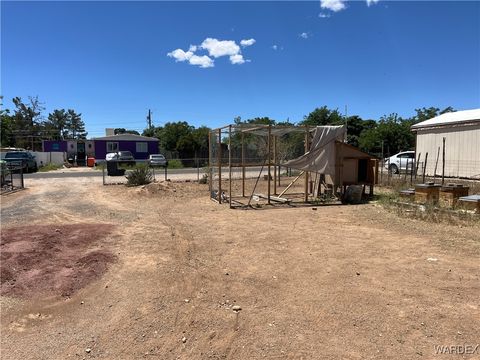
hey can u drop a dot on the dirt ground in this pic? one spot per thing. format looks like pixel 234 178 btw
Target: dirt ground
pixel 339 282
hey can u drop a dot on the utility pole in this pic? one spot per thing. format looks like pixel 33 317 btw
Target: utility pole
pixel 346 123
pixel 149 119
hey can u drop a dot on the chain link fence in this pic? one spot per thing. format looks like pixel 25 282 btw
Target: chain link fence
pixel 11 177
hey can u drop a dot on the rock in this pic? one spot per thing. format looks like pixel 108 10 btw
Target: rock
pixel 187 301
pixel 88 350
pixel 82 302
pixel 358 273
pixel 236 308
pixel 184 339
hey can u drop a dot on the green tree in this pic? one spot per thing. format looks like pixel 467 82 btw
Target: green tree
pixel 125 131
pixel 27 122
pixel 6 129
pixel 56 123
pixel 393 131
pixel 428 113
pixel 323 116
pixel 74 126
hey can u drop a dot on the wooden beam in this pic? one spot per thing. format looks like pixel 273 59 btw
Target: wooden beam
pixel 219 166
pixel 243 165
pixel 274 165
pixel 269 144
pixel 290 185
pixel 306 172
pixel 230 166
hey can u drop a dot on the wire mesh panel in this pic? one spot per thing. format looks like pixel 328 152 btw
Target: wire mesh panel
pixel 11 177
pixel 245 165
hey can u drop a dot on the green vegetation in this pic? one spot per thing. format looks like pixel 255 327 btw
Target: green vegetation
pixel 140 175
pixel 49 167
pixel 175 164
pixel 25 127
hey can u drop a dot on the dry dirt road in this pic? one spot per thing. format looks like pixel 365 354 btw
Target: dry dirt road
pixel 341 282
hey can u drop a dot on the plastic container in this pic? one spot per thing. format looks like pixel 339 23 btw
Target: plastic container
pixel 91 161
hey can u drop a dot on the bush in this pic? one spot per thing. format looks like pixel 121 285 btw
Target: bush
pixel 175 164
pixel 49 167
pixel 141 175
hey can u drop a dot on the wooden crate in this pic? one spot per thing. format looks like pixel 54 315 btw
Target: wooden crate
pixel 449 195
pixel 427 193
pixel 408 195
pixel 471 202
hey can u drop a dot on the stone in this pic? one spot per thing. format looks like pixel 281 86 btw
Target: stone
pixel 236 308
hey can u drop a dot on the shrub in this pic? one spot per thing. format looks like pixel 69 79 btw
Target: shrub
pixel 141 175
pixel 175 164
pixel 49 167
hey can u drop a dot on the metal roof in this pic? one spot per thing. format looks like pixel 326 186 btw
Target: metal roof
pixel 451 118
pixel 126 137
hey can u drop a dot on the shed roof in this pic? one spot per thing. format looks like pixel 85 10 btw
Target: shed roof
pixel 451 118
pixel 126 137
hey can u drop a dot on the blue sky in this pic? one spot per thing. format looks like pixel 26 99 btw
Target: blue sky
pixel 108 60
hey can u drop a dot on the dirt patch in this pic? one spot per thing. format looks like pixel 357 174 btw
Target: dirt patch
pixel 52 259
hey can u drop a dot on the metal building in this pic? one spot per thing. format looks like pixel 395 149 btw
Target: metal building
pixel 452 141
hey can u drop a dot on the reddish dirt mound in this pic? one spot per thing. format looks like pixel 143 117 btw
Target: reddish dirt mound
pixel 51 260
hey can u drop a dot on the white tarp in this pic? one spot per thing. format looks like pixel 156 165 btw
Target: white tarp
pixel 321 157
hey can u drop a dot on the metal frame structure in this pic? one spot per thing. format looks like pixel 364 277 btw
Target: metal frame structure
pixel 222 159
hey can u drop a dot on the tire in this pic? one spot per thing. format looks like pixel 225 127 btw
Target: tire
pixel 35 168
pixel 393 169
pixel 27 169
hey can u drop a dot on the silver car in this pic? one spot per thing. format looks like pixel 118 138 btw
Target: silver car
pixel 157 160
pixel 400 161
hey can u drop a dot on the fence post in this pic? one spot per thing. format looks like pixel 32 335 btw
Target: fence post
pixel 443 162
pixel 198 169
pixel 424 168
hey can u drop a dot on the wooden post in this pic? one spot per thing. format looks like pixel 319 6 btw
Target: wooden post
pixel 274 165
pixel 230 165
pixel 417 165
pixel 306 172
pixel 219 166
pixel 243 166
pixel 269 158
pixel 210 154
pixel 443 162
pixel 424 168
pixel 436 163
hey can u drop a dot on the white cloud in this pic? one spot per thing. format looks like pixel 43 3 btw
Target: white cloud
pixel 180 55
pixel 323 15
pixel 237 59
pixel 202 61
pixel 275 47
pixel 333 5
pixel 304 35
pixel 217 48
pixel 371 2
pixel 248 42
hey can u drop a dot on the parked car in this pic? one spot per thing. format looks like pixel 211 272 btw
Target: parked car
pixel 398 162
pixel 157 160
pixel 120 156
pixel 21 158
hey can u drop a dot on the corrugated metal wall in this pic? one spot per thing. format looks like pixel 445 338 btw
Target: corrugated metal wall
pixel 462 150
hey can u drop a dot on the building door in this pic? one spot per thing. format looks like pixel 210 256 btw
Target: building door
pixel 362 170
pixel 81 156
